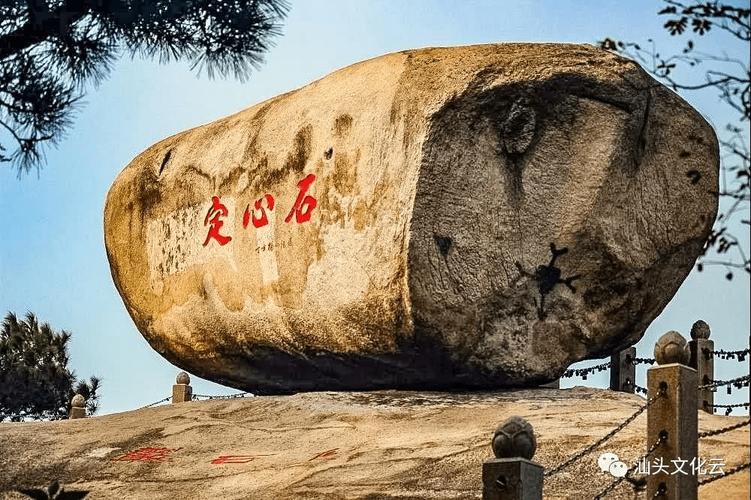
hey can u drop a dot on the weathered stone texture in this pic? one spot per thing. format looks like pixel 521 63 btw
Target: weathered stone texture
pixel 373 445
pixel 445 182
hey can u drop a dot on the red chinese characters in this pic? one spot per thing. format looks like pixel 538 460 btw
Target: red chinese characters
pixel 258 215
pixel 214 219
pixel 304 204
pixel 146 455
pixel 262 219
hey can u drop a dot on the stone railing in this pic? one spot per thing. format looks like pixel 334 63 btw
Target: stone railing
pixel 622 366
pixel 676 391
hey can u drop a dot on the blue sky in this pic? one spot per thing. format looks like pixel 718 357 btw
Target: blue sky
pixel 52 258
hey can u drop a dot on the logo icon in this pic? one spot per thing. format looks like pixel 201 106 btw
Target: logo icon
pixel 606 460
pixel 618 469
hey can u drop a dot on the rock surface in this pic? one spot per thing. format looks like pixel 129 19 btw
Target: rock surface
pixel 342 445
pixel 477 216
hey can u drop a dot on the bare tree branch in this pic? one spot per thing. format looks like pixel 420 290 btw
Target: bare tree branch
pixel 731 79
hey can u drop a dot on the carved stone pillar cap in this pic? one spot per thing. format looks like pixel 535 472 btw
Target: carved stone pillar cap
pixel 514 438
pixel 671 348
pixel 78 401
pixel 182 378
pixel 700 330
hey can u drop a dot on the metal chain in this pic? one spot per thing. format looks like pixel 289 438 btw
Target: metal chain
pixel 583 372
pixel 737 405
pixel 740 355
pixel 156 403
pixel 600 441
pixel 724 429
pixel 643 361
pixel 198 396
pixel 738 382
pixel 631 470
pixel 729 408
pixel 229 396
pixel 732 471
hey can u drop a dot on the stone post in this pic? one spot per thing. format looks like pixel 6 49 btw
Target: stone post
pixel 702 360
pixel 182 391
pixel 622 370
pixel 674 416
pixel 512 475
pixel 77 407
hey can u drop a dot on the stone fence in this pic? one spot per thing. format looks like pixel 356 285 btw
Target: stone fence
pixel 622 366
pixel 678 386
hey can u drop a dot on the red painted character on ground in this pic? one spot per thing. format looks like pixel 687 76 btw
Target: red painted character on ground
pixel 263 219
pixel 146 455
pixel 213 217
pixel 235 459
pixel 304 204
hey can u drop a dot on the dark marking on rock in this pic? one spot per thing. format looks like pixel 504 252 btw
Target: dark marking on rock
pixel 342 124
pixel 548 277
pixel 518 128
pixel 294 164
pixel 229 180
pixel 191 171
pixel 300 153
pixel 517 132
pixel 266 176
pixel 694 175
pixel 393 114
pixel 165 160
pixel 344 177
pixel 149 192
pixel 516 114
pixel 444 244
pixel 328 153
pixel 360 215
pixel 696 139
pixel 684 154
pixel 642 138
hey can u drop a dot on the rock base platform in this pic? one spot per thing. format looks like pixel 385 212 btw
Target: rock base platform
pixel 370 445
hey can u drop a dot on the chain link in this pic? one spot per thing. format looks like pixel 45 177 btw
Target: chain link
pixel 661 439
pixel 730 472
pixel 584 372
pixel 728 408
pixel 738 382
pixel 197 397
pixel 607 436
pixel 643 361
pixel 739 355
pixel 156 403
pixel 724 429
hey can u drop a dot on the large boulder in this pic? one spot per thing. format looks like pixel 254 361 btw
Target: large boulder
pixel 440 218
